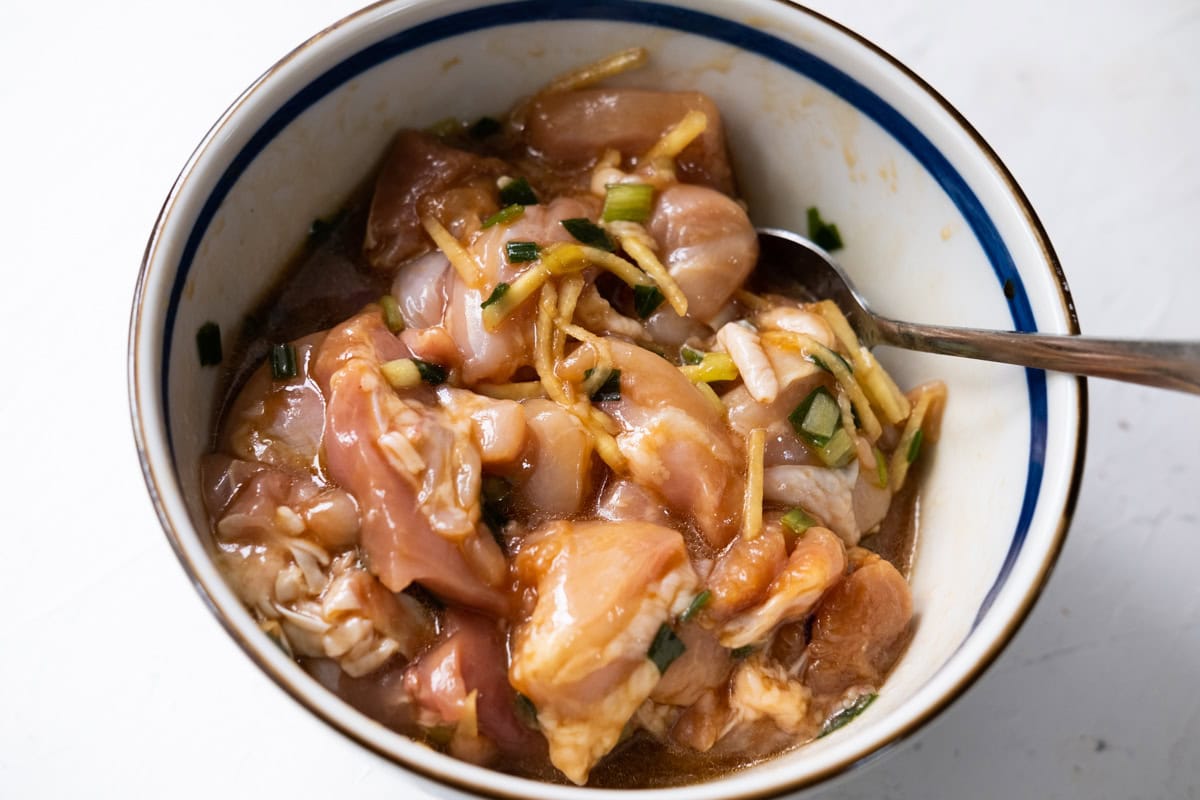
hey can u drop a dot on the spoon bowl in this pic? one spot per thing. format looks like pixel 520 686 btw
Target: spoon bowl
pixel 801 268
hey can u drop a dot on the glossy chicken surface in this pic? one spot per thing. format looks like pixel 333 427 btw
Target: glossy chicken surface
pixel 584 506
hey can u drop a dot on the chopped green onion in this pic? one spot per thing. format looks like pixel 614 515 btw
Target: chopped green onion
pixel 504 216
pixel 627 201
pixel 738 653
pixel 401 373
pixel 500 290
pixel 847 714
pixel 526 712
pixel 646 299
pixel 817 417
pixel 690 355
pixel 484 127
pixel 914 447
pixel 665 648
pixel 430 373
pixel 817 360
pixel 518 192
pixel 283 362
pixel 517 252
pixel 881 470
pixel 588 233
pixel 610 389
pixel 838 451
pixel 698 603
pixel 391 313
pixel 320 228
pixel 208 342
pixel 824 234
pixel 797 520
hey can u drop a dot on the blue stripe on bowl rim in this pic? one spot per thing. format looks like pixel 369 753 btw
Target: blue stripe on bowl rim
pixel 701 24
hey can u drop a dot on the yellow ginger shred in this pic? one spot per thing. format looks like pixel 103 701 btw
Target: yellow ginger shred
pixel 591 74
pixel 876 382
pixel 926 396
pixel 464 263
pixel 808 346
pixel 640 246
pixel 752 508
pixel 679 136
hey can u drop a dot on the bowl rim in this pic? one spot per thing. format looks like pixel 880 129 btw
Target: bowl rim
pixel 949 695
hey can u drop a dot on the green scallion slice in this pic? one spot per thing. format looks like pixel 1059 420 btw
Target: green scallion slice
pixel 738 653
pixel 518 192
pixel 824 234
pixel 665 648
pixel 817 417
pixel 841 718
pixel 697 604
pixel 914 447
pixel 589 233
pixel 690 355
pixel 391 313
pixel 817 360
pixel 646 299
pixel 517 252
pixel 504 216
pixel 208 343
pixel 432 374
pixel 797 520
pixel 881 469
pixel 283 362
pixel 610 389
pixel 526 712
pixel 484 127
pixel 627 201
pixel 500 290
pixel 838 451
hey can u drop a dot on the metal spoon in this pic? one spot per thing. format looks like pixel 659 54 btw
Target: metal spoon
pixel 800 266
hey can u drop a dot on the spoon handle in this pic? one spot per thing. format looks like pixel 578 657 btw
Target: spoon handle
pixel 1168 365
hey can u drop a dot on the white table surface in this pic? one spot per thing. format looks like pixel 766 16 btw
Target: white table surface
pixel 115 680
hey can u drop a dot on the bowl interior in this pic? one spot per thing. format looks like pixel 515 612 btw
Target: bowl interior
pixel 934 231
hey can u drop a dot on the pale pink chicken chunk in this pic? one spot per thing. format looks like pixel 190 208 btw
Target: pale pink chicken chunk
pixel 860 629
pixel 575 128
pixel 462 683
pixel 603 590
pixel 707 242
pixel 276 533
pixel 279 422
pixel 416 473
pixel 422 175
pixel 676 443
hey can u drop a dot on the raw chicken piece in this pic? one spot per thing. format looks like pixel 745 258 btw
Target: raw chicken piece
pixel 421 175
pixel 827 494
pixel 768 709
pixel 741 576
pixel 575 128
pixel 413 468
pixel 707 242
pixel 278 422
pixel 462 683
pixel 676 443
pixel 420 288
pixel 703 667
pixel 859 629
pixel 603 590
pixel 816 563
pixel 497 427
pixel 317 604
pixel 625 501
pixel 557 462
pixel 755 369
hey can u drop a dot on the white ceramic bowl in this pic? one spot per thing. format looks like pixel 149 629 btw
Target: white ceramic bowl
pixel 936 230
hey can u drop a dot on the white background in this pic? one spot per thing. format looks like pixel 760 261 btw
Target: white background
pixel 115 681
